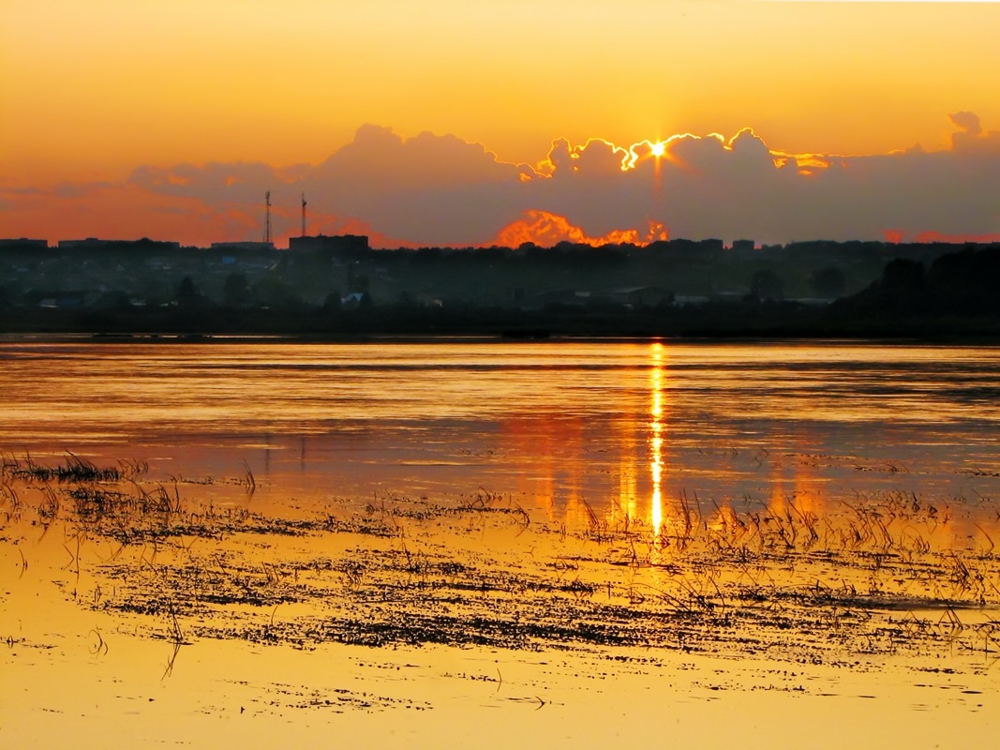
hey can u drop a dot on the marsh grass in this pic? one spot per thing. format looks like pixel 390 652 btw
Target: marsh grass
pixel 73 469
pixel 881 573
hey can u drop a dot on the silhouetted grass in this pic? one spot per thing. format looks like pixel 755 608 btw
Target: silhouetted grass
pixel 73 469
pixel 878 574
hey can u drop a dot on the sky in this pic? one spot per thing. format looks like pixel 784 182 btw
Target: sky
pixel 469 124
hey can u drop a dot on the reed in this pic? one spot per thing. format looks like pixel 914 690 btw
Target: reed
pixel 872 575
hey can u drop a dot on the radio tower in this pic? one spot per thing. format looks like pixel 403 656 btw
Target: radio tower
pixel 267 221
pixel 303 215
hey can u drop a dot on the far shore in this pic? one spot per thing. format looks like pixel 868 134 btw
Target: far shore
pixel 717 322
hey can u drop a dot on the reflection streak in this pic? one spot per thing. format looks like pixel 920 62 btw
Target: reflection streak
pixel 656 437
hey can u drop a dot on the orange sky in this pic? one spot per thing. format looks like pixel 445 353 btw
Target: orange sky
pixel 91 91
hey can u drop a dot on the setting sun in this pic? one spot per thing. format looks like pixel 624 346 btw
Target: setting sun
pixel 659 149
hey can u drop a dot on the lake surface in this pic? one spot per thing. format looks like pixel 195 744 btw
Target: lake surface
pixel 474 532
pixel 614 424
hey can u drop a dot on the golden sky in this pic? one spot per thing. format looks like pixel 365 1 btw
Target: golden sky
pixel 92 90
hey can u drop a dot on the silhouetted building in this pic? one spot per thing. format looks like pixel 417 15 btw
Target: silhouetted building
pixel 245 246
pixel 739 245
pixel 93 243
pixel 23 243
pixel 87 244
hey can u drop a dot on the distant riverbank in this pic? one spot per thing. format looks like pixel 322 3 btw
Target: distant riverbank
pixel 740 320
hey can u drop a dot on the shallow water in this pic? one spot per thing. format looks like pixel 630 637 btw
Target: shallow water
pixel 530 529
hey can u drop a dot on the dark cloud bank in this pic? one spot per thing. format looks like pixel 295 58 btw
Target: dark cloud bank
pixel 440 190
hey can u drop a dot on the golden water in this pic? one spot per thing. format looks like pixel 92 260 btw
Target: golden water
pixel 606 451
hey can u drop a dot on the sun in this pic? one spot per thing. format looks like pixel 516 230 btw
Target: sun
pixel 659 149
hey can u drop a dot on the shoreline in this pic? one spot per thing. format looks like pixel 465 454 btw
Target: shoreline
pixel 752 338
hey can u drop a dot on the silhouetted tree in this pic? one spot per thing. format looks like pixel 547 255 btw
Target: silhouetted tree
pixel 236 292
pixel 427 256
pixel 901 290
pixel 332 301
pixel 188 292
pixel 113 300
pixel 767 284
pixel 966 281
pixel 359 283
pixel 902 275
pixel 274 293
pixel 154 291
pixel 828 282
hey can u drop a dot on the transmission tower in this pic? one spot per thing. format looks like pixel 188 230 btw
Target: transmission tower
pixel 267 221
pixel 303 215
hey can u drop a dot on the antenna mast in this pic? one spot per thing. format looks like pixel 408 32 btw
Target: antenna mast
pixel 267 222
pixel 303 215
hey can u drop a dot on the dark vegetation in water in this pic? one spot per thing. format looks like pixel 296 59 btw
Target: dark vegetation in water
pixel 880 575
pixel 74 469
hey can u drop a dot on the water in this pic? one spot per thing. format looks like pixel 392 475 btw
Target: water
pixel 615 424
pixel 562 543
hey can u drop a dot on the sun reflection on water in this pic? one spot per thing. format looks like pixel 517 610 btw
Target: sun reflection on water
pixel 656 437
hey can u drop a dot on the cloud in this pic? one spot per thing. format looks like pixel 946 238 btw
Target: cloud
pixel 595 158
pixel 424 190
pixel 71 190
pixel 967 123
pixel 215 183
pixel 430 189
pixel 970 138
pixel 120 211
pixel 440 190
pixel 379 157
pixel 546 229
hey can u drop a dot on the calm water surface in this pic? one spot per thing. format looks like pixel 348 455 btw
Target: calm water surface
pixel 620 426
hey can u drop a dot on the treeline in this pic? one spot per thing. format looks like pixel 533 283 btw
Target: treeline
pixel 953 295
pixel 965 283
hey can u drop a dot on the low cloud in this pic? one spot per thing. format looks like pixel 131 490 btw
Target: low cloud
pixel 440 190
pixel 121 211
pixel 546 229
